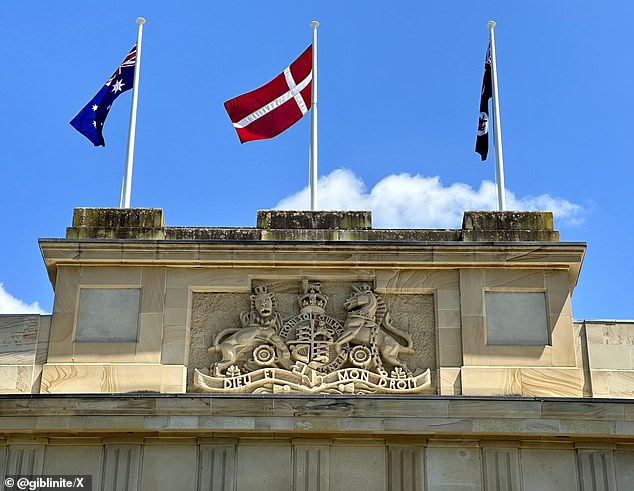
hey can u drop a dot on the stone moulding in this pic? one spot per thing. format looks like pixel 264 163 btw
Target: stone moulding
pixel 531 419
pixel 262 254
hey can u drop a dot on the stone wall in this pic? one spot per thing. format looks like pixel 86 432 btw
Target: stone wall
pixel 155 442
pixel 23 351
pixel 609 347
pixel 322 464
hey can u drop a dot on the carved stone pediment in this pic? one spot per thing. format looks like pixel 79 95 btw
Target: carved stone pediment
pixel 312 351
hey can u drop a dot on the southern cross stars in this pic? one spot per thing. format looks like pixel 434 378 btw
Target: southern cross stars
pixel 117 87
pixel 95 107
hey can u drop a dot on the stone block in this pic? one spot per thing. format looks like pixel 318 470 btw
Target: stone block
pixel 450 381
pixel 117 223
pixel 562 338
pixel 104 352
pixel 596 469
pixel 448 299
pixel 509 226
pixel 66 286
pixel 501 469
pixel 169 467
pixel 624 469
pixel 174 378
pixel 330 220
pixel 115 276
pixel 449 347
pixel 94 378
pixel 453 468
pixel 25 460
pixel 18 339
pixel 217 467
pixel 62 459
pixel 121 467
pixel 552 382
pixel 8 378
pixel 406 468
pixel 148 349
pixel 549 469
pixel 275 457
pixel 358 467
pixel 472 283
pixel 621 383
pixel 610 357
pixel 482 381
pixel 311 466
pixel 153 290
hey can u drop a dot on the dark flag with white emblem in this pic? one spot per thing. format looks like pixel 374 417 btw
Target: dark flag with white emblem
pixel 89 122
pixel 482 141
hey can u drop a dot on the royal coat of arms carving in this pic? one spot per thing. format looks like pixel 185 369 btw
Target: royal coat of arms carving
pixel 313 352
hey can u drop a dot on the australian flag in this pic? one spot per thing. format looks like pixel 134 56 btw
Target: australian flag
pixel 89 122
pixel 482 140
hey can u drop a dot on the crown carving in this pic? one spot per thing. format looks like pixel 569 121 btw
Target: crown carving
pixel 312 297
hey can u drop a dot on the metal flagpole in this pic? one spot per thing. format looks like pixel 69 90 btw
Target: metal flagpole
pixel 312 170
pixel 497 128
pixel 126 187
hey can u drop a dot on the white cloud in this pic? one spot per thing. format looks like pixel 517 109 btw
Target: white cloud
pixel 406 201
pixel 11 305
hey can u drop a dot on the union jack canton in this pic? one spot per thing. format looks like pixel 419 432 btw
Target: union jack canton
pixel 90 120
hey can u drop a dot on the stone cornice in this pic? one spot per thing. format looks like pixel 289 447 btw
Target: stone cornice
pixel 432 417
pixel 322 254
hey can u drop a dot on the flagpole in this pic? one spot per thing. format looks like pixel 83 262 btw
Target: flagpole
pixel 497 128
pixel 312 170
pixel 126 187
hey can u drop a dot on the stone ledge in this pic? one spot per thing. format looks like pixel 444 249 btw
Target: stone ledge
pixel 422 416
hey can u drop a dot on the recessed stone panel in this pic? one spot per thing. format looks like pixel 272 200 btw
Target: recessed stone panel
pixel 516 318
pixel 108 315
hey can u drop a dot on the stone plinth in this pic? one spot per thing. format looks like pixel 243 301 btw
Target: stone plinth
pixel 117 223
pixel 330 220
pixel 508 226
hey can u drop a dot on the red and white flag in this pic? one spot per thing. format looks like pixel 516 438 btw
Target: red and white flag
pixel 276 106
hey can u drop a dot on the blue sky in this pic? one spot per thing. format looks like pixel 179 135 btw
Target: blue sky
pixel 399 90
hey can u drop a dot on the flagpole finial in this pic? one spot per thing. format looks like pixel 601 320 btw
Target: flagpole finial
pixel 140 21
pixel 314 24
pixel 491 24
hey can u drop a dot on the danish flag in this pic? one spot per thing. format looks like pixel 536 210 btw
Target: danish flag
pixel 276 106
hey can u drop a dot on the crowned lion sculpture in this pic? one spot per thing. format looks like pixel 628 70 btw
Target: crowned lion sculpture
pixel 255 344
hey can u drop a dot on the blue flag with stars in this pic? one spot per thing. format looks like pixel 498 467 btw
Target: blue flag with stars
pixel 89 122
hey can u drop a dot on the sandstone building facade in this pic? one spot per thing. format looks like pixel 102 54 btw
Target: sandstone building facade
pixel 313 352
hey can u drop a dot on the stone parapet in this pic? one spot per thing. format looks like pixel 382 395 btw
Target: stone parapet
pixel 304 226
